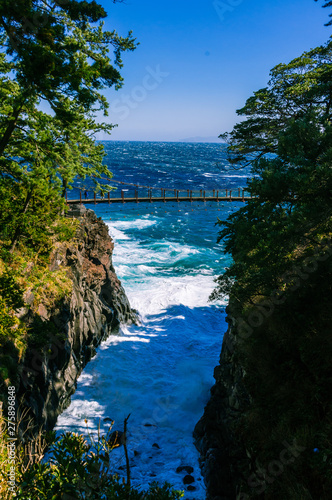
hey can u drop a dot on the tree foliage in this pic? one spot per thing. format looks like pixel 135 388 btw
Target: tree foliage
pixel 287 138
pixel 280 279
pixel 327 4
pixel 58 56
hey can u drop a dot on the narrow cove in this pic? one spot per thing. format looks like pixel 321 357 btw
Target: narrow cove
pixel 162 370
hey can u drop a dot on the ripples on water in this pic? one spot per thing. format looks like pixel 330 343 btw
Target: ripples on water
pixel 167 258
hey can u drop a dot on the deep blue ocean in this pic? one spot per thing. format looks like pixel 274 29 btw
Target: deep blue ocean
pixel 167 256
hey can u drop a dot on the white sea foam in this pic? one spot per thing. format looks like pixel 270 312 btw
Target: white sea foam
pixel 160 371
pixel 156 294
pixel 132 259
pixel 116 234
pixel 235 176
pixel 128 224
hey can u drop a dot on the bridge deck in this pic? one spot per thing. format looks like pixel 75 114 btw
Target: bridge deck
pixel 159 199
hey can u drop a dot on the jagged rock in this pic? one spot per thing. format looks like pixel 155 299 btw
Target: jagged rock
pixel 29 298
pixel 223 459
pixel 75 327
pixel 188 479
pixel 186 468
pixel 76 210
pixel 43 312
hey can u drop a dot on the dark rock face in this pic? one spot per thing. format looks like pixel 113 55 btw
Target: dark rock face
pixel 74 328
pixel 223 458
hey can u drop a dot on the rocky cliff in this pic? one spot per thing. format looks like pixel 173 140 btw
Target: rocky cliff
pixel 277 442
pixel 72 329
pixel 223 457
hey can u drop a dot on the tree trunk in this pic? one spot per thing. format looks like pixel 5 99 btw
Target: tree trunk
pixel 17 233
pixel 10 128
pixel 126 451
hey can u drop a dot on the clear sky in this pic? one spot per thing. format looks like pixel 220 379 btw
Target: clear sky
pixel 198 61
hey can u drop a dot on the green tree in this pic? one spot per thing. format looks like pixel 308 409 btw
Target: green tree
pixel 287 138
pixel 327 4
pixel 58 53
pixel 279 282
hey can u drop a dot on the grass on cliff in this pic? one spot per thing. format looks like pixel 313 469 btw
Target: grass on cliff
pixel 28 284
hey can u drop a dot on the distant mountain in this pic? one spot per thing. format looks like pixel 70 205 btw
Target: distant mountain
pixel 203 139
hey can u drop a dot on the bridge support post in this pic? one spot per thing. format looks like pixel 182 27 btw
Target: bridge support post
pixel 80 197
pixel 94 197
pixel 108 198
pixel 164 195
pixel 230 195
pixel 122 195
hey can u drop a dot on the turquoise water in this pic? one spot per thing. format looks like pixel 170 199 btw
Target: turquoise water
pixel 167 257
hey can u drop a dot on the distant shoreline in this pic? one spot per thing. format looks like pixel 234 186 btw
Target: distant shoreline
pixel 162 142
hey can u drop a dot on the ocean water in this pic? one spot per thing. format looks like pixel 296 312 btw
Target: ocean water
pixel 167 256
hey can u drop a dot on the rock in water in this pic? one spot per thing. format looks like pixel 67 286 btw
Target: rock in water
pixel 186 468
pixel 188 479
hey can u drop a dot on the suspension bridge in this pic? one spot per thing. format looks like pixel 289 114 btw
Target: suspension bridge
pixel 135 193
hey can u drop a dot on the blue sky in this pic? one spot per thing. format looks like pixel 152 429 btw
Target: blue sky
pixel 198 61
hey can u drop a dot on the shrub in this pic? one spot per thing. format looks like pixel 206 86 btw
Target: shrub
pixel 78 470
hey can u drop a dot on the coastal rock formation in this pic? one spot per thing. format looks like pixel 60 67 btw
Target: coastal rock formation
pixel 72 329
pixel 223 457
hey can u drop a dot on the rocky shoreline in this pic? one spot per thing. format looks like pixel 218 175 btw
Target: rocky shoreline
pixel 75 327
pixel 224 460
pixel 47 376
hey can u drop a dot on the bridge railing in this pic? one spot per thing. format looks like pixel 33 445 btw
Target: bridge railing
pixel 154 194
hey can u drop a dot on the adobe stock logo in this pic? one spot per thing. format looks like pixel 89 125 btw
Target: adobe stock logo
pixel 223 7
pixel 151 81
pixel 260 479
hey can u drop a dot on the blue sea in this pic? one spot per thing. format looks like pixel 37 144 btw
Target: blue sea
pixel 167 257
